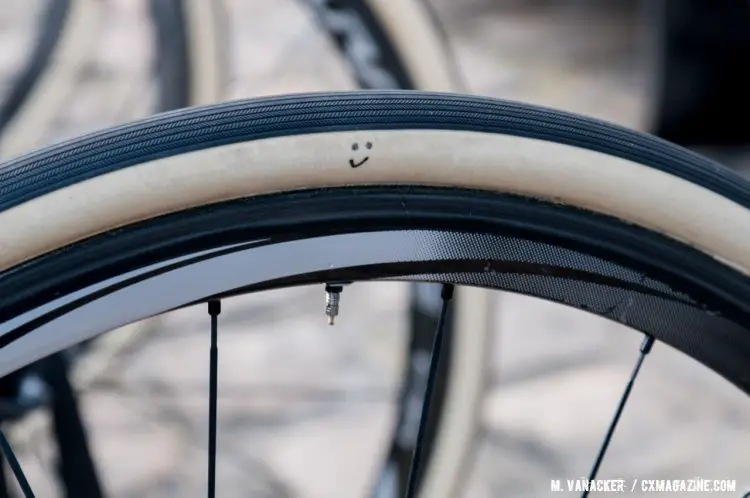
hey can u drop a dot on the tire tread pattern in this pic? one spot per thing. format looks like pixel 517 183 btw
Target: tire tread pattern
pixel 191 129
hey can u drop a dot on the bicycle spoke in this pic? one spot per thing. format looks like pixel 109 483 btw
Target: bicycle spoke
pixel 645 349
pixel 214 309
pixel 416 460
pixel 15 466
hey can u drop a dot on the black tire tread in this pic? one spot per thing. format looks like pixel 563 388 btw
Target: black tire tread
pixel 198 128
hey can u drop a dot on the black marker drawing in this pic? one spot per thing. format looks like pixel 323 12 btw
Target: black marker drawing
pixel 355 147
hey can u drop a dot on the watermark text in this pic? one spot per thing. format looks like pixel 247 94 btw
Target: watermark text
pixel 696 485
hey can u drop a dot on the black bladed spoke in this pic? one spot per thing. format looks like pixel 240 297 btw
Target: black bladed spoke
pixel 214 309
pixel 646 346
pixel 416 461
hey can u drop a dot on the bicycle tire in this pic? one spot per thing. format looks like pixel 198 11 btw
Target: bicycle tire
pixel 50 27
pixel 172 55
pixel 50 73
pixel 699 87
pixel 204 29
pixel 180 161
pixel 37 176
pixel 404 40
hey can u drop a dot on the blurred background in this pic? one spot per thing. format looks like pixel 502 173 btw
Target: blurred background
pixel 304 408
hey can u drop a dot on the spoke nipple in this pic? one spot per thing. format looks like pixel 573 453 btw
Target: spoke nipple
pixel 647 344
pixel 333 295
pixel 214 308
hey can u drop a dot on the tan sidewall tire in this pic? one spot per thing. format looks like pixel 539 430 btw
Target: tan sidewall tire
pixel 208 50
pixel 419 44
pixel 71 53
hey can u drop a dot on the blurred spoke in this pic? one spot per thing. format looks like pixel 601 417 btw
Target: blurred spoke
pixel 416 462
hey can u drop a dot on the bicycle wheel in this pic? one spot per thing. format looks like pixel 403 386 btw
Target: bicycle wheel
pixel 50 73
pixel 77 469
pixel 439 187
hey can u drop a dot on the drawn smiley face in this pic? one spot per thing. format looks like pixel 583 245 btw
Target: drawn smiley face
pixel 353 162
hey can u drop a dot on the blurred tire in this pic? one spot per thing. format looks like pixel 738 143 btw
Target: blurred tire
pixel 701 85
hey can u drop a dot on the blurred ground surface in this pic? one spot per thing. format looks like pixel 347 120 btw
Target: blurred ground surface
pixel 303 407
